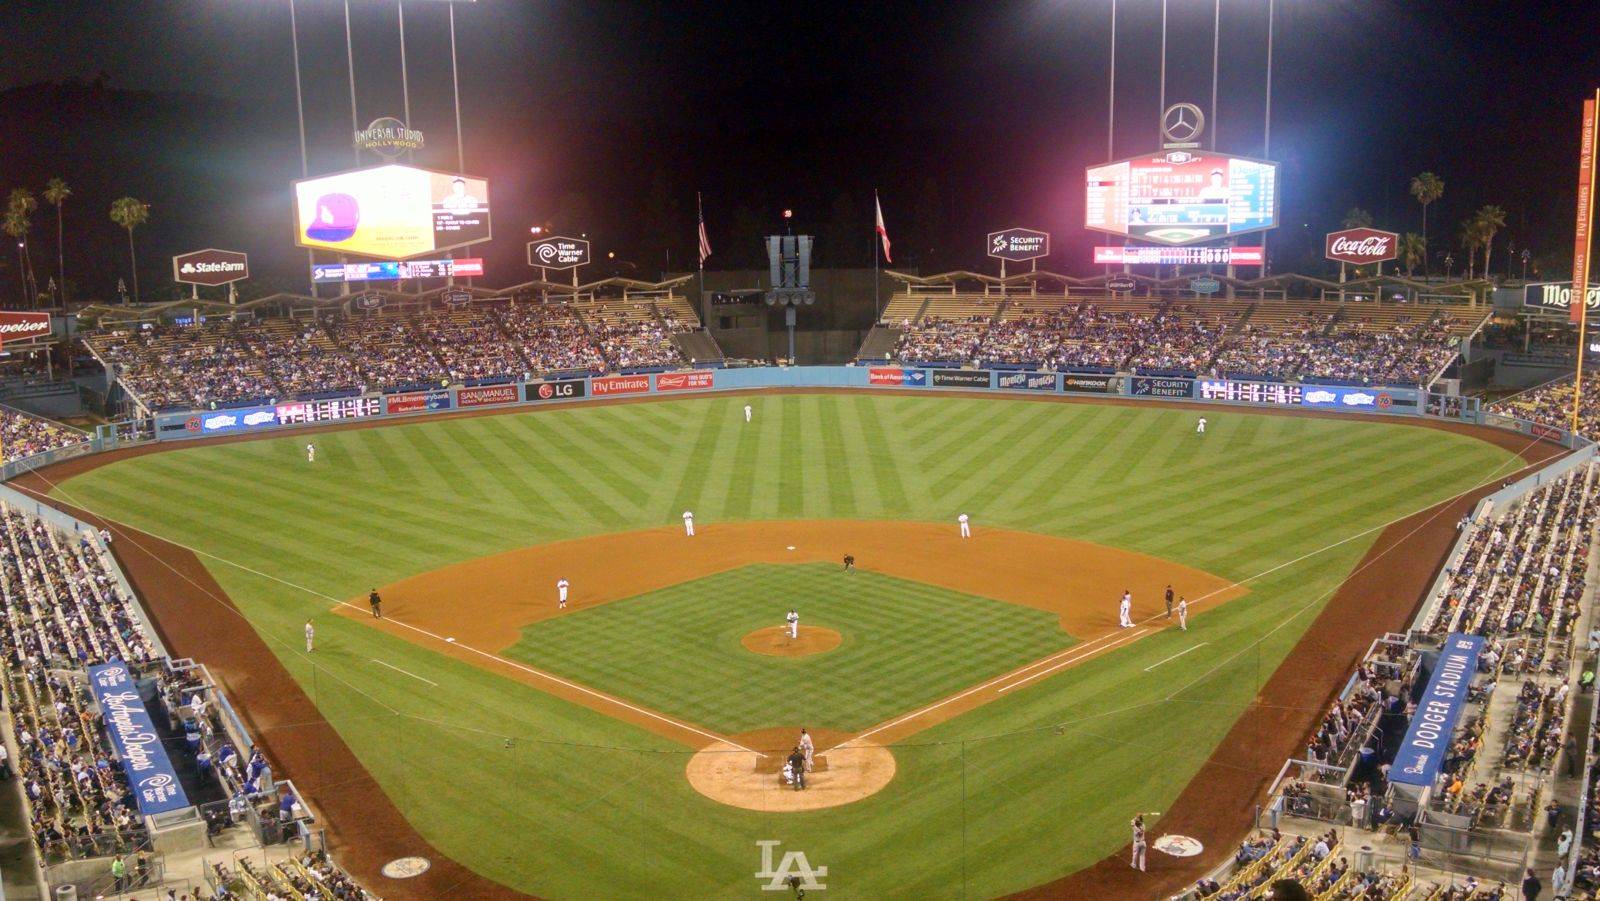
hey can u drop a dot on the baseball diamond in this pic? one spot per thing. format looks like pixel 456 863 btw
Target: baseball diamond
pixel 981 719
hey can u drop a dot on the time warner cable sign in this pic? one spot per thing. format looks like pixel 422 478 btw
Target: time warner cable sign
pixel 133 735
pixel 1428 740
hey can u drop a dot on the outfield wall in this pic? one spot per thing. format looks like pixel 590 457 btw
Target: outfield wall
pixel 1402 401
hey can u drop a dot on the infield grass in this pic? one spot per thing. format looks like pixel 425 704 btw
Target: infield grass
pixel 558 800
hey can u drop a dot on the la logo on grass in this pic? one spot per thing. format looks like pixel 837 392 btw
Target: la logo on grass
pixel 794 871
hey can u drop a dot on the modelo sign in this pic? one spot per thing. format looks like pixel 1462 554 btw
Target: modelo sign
pixel 1019 244
pixel 1556 297
pixel 1361 246
pixel 210 267
pixel 22 326
pixel 558 253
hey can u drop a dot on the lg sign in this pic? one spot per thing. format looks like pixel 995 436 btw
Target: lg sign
pixel 1361 246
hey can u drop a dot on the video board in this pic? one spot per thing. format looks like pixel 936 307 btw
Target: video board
pixel 391 211
pixel 1180 197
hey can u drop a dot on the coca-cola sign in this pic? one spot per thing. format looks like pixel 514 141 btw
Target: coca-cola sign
pixel 1362 246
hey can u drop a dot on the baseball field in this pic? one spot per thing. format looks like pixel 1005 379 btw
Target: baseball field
pixel 983 725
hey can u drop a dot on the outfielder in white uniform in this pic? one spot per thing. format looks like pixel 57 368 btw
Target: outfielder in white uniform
pixel 966 530
pixel 747 412
pixel 688 523
pixel 311 634
pixel 1183 614
pixel 311 453
pixel 794 623
pixel 1200 427
pixel 1125 611
pixel 561 594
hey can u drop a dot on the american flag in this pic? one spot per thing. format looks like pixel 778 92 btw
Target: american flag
pixel 883 232
pixel 705 243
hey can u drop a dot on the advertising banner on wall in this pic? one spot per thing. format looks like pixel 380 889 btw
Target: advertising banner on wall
pixel 894 376
pixel 330 410
pixel 959 378
pixel 1556 297
pixel 238 419
pixel 391 211
pixel 417 402
pixel 1361 246
pixel 155 784
pixel 619 384
pixel 1152 386
pixel 1179 256
pixel 1427 741
pixel 568 390
pixel 1275 393
pixel 487 396
pixel 1181 197
pixel 1346 398
pixel 1030 381
pixel 698 380
pixel 1084 383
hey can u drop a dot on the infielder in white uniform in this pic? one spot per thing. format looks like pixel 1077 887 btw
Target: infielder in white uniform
pixel 747 412
pixel 311 453
pixel 1183 614
pixel 1125 611
pixel 311 635
pixel 794 623
pixel 688 523
pixel 966 530
pixel 561 594
pixel 1138 843
pixel 1200 427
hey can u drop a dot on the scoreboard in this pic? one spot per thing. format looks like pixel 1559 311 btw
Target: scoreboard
pixel 1179 197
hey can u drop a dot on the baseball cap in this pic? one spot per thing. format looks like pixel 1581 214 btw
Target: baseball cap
pixel 335 218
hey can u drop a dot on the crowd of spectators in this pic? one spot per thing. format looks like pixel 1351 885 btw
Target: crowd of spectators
pixel 225 362
pixel 22 435
pixel 1185 338
pixel 311 876
pixel 1551 404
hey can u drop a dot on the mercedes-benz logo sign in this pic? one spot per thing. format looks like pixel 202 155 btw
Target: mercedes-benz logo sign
pixel 1182 123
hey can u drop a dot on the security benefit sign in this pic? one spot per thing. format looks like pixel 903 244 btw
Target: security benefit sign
pixel 134 738
pixel 1426 742
pixel 1019 244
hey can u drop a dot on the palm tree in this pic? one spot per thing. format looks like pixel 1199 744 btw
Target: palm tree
pixel 1356 217
pixel 15 225
pixel 56 193
pixel 1490 220
pixel 130 213
pixel 1471 240
pixel 1427 188
pixel 21 205
pixel 1413 250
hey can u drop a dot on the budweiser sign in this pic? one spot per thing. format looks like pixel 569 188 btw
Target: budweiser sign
pixel 1362 245
pixel 21 326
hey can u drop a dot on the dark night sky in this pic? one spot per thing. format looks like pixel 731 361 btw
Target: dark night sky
pixel 966 116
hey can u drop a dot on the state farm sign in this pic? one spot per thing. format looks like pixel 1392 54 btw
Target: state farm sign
pixel 1361 246
pixel 22 326
pixel 210 267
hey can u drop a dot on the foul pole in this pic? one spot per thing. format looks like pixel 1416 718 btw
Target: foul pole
pixel 1579 305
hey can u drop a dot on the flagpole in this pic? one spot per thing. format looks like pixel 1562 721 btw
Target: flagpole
pixel 877 313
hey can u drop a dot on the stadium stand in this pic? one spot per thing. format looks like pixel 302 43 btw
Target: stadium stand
pixel 1551 404
pixel 227 363
pixel 22 435
pixel 62 609
pixel 1354 343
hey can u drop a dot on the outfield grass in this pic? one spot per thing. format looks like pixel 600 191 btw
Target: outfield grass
pixel 512 782
pixel 678 650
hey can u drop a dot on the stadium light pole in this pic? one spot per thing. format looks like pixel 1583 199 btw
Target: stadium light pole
pixel 1266 130
pixel 1111 100
pixel 300 116
pixel 405 84
pixel 350 64
pixel 1216 46
pixel 1162 111
pixel 455 86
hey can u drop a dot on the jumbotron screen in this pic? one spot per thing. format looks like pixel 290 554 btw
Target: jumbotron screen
pixel 392 211
pixel 1182 198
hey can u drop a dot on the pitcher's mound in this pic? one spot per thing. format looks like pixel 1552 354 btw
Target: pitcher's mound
pixel 775 641
pixel 731 775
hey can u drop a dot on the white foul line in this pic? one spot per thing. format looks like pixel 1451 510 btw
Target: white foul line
pixel 1088 652
pixel 403 672
pixel 1176 656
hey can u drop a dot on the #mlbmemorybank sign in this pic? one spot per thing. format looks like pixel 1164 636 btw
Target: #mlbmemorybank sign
pixel 1426 742
pixel 133 735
